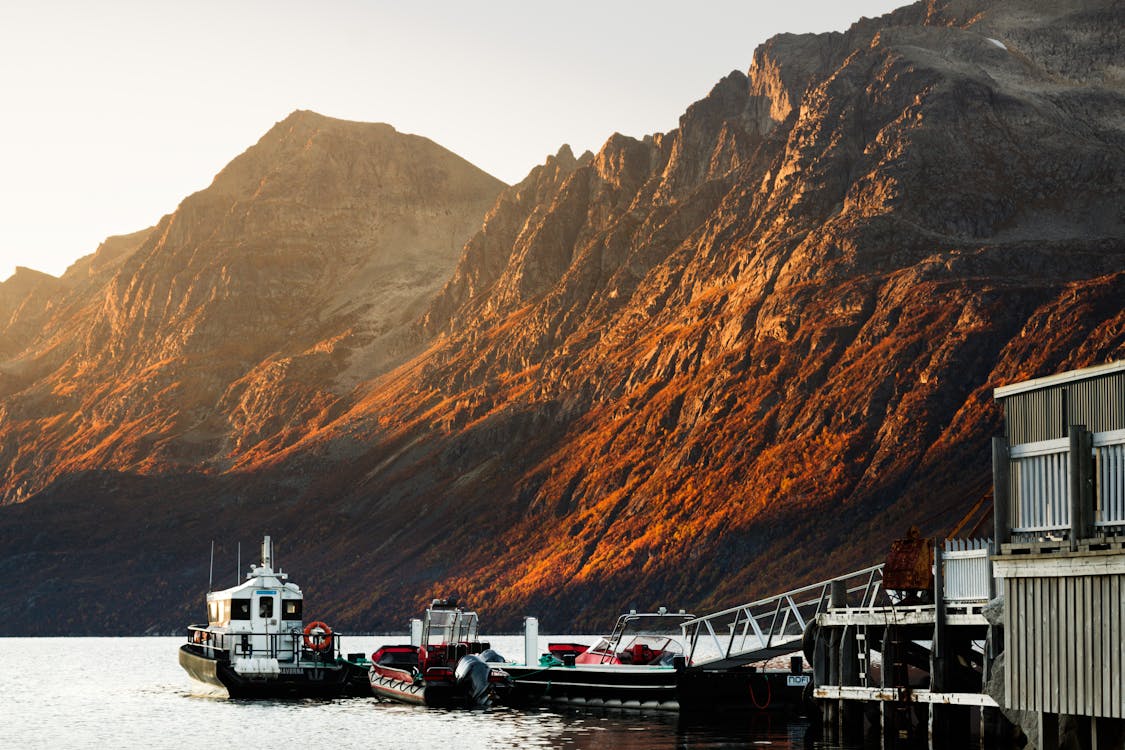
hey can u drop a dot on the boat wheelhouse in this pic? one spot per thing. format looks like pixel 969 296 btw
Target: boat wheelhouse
pixel 256 642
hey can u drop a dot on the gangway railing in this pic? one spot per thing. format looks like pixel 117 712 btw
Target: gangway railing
pixel 774 626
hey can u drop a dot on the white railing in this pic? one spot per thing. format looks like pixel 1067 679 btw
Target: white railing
pixel 968 571
pixel 1040 486
pixel 774 626
pixel 1109 478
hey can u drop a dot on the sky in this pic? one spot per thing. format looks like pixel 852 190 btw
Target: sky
pixel 115 111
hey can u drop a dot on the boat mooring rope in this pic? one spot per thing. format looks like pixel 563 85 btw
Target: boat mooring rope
pixel 769 696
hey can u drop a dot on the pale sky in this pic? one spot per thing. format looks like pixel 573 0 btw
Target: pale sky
pixel 115 111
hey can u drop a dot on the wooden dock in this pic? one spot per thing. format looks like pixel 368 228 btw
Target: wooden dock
pixel 981 640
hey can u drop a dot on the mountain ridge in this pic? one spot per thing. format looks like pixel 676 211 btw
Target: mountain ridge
pixel 686 370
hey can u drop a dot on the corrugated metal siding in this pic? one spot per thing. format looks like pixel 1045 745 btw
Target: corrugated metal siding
pixel 1065 647
pixel 1035 416
pixel 1098 403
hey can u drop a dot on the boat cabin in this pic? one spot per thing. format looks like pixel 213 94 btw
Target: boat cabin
pixel 448 633
pixel 261 617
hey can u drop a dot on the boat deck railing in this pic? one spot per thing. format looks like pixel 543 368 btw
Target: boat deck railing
pixel 285 647
pixel 774 626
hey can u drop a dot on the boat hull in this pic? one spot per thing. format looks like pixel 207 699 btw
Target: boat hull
pixel 596 685
pixel 418 693
pixel 327 680
pixel 656 688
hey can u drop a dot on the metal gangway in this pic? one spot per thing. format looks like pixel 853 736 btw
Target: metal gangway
pixel 774 627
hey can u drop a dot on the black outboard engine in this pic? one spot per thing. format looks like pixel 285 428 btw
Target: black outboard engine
pixel 491 656
pixel 472 677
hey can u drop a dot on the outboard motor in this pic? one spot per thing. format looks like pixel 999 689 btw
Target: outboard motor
pixel 472 677
pixel 491 656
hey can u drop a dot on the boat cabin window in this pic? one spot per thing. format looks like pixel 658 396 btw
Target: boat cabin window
pixel 240 609
pixel 291 609
pixel 222 611
pixel 265 606
pixel 449 626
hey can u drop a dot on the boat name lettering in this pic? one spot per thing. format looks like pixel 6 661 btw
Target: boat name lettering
pixel 265 593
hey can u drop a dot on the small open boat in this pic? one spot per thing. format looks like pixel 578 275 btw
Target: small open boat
pixel 638 665
pixel 256 644
pixel 447 665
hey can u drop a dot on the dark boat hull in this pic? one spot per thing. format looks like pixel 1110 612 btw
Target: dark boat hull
pixel 596 685
pixel 329 680
pixel 656 688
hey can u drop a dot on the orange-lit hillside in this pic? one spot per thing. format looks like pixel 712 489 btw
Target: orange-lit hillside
pixel 687 370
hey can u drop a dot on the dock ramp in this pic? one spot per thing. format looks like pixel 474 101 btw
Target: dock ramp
pixel 773 627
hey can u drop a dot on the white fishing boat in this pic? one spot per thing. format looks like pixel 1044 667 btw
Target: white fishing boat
pixel 257 644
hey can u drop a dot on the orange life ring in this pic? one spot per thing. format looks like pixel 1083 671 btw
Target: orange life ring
pixel 321 641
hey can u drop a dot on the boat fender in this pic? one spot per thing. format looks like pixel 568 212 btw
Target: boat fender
pixel 808 641
pixel 318 636
pixel 489 655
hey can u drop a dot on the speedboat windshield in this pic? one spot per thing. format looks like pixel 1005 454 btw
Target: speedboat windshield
pixel 655 643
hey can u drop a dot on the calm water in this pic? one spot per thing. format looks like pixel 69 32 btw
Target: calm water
pixel 131 693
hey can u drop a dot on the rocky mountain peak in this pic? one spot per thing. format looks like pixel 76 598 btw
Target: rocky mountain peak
pixel 257 305
pixel 696 366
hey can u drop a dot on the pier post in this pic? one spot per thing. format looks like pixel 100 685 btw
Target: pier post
pixel 851 712
pixel 833 707
pixel 938 714
pixel 837 667
pixel 890 713
pixel 1001 492
pixel 530 641
pixel 1048 731
pixel 1081 489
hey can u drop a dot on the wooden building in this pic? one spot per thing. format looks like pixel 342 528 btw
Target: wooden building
pixel 1059 516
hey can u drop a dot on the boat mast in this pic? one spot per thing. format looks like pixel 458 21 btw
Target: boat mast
pixel 211 570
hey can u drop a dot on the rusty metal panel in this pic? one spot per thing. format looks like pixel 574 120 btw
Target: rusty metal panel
pixel 909 565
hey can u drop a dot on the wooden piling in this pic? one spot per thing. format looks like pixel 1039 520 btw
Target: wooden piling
pixel 1001 493
pixel 1081 493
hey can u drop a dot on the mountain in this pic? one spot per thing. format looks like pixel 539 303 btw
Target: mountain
pixel 245 314
pixel 687 370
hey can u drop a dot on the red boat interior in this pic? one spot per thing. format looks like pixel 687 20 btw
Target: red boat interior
pixel 641 650
pixel 435 662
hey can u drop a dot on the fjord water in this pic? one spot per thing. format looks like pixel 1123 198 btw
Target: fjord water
pixel 63 693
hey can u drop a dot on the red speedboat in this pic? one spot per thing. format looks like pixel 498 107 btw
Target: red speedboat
pixel 449 666
pixel 638 665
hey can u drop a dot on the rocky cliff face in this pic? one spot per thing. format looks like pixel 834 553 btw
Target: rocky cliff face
pixel 686 370
pixel 240 319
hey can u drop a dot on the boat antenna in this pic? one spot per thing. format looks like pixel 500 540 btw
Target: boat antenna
pixel 238 569
pixel 211 570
